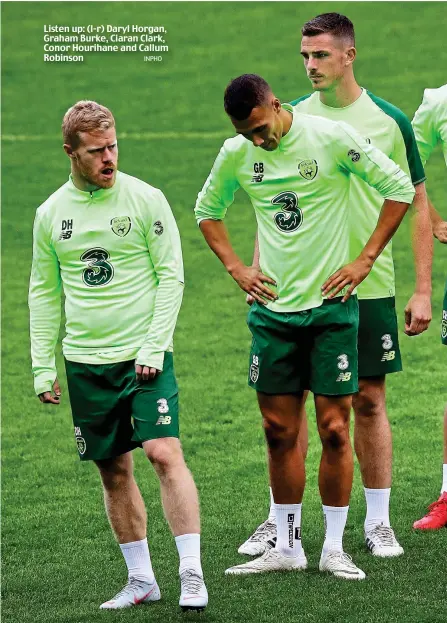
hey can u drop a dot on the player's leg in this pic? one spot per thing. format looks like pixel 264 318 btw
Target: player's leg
pixel 437 511
pixel 379 354
pixel 333 381
pixel 127 516
pixel 264 537
pixel 278 372
pixel 156 423
pixel 281 422
pixel 335 482
pixel 437 514
pixel 103 434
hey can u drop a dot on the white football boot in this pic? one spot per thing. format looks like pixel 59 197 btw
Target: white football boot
pixel 135 592
pixel 262 539
pixel 382 542
pixel 340 564
pixel 194 595
pixel 271 560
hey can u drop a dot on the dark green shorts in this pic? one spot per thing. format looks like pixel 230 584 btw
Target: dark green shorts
pixel 444 318
pixel 378 345
pixel 113 414
pixel 314 349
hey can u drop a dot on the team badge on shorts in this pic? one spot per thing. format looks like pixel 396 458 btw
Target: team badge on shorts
pixel 444 324
pixel 308 169
pixel 121 225
pixel 82 446
pixel 254 369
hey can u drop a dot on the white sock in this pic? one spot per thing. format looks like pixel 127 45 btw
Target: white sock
pixel 288 528
pixel 138 560
pixel 377 507
pixel 272 512
pixel 188 547
pixel 444 478
pixel 335 521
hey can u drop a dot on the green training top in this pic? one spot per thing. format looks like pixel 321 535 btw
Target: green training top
pixel 430 122
pixel 300 196
pixel 387 128
pixel 117 254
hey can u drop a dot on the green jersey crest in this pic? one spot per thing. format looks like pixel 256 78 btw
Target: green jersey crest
pixel 121 225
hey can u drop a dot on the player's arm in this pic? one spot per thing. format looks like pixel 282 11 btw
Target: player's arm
pixel 163 240
pixel 357 157
pixel 405 154
pixel 210 210
pixel 439 226
pixel 427 137
pixel 44 301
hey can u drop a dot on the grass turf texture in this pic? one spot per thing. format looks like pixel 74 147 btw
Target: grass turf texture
pixel 59 558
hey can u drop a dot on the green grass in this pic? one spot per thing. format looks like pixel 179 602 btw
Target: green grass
pixel 59 558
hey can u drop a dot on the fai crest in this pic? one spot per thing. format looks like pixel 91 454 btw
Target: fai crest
pixel 121 225
pixel 308 169
pixel 82 446
pixel 444 329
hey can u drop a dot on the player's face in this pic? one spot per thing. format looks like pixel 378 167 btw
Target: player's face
pixel 263 127
pixel 95 160
pixel 326 59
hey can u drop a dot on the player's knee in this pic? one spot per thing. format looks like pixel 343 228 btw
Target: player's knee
pixel 278 434
pixel 334 431
pixel 164 454
pixel 367 404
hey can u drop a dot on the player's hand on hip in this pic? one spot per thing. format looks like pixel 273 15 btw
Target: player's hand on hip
pixel 47 397
pixel 440 231
pixel 252 280
pixel 417 314
pixel 145 373
pixel 348 276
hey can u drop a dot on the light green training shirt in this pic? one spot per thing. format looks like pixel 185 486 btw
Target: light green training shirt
pixel 430 122
pixel 300 196
pixel 116 252
pixel 387 128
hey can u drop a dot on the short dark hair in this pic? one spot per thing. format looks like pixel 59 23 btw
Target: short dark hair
pixel 338 25
pixel 245 93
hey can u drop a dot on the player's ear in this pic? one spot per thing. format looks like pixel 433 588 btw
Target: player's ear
pixel 276 105
pixel 351 53
pixel 68 150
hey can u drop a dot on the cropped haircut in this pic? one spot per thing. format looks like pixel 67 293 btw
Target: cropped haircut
pixel 333 23
pixel 245 93
pixel 85 116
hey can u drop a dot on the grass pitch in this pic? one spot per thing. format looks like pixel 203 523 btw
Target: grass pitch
pixel 59 558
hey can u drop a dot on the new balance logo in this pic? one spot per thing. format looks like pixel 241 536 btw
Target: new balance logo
pixel 257 178
pixel 344 376
pixel 67 229
pixel 163 419
pixel 389 355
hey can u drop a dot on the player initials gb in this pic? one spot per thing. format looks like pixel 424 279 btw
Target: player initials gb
pixel 258 169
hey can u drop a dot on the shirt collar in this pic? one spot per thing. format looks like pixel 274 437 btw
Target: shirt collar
pixel 99 193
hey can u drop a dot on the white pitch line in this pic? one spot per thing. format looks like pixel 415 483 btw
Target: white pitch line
pixel 135 136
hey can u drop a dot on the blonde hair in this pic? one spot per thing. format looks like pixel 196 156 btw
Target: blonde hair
pixel 85 116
